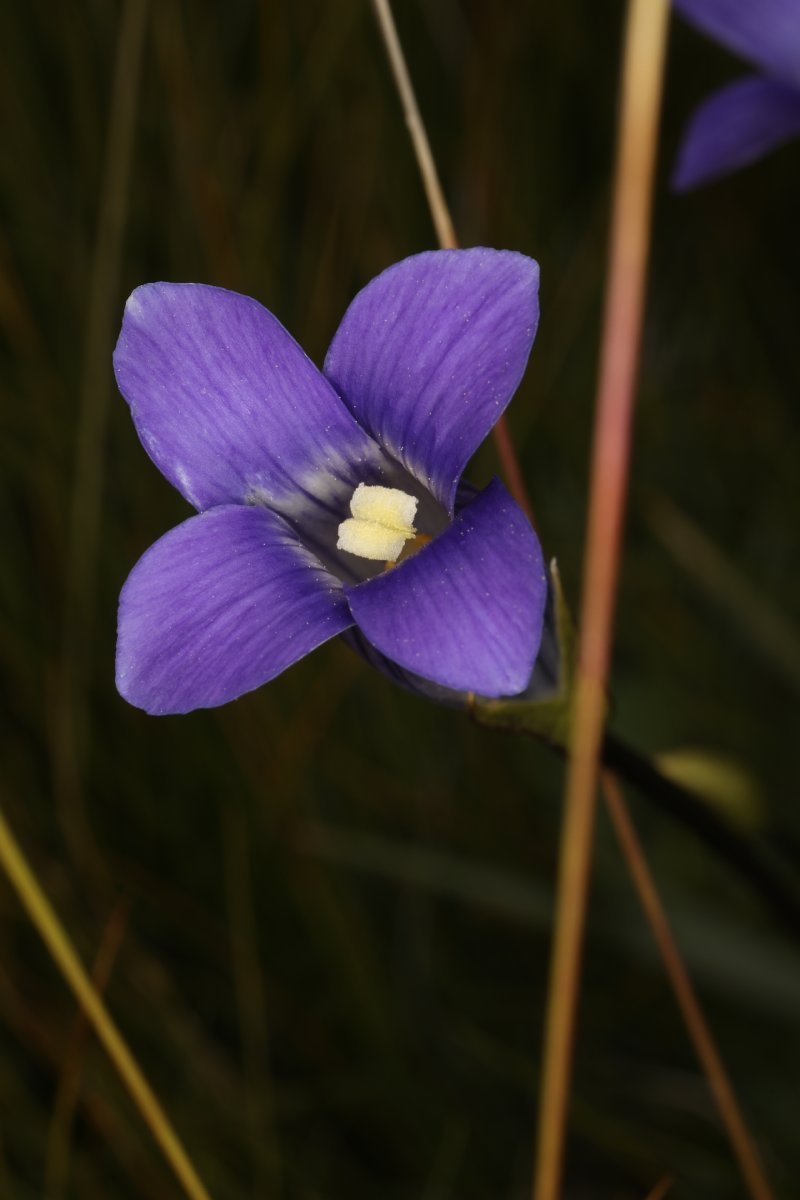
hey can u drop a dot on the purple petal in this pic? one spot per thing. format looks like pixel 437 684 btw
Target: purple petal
pixel 766 32
pixel 355 639
pixel 466 611
pixel 734 127
pixel 542 685
pixel 218 606
pixel 430 353
pixel 226 403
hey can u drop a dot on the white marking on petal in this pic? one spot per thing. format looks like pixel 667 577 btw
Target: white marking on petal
pixel 133 306
pixel 184 480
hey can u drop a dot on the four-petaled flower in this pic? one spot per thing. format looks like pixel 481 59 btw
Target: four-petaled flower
pixel 743 121
pixel 310 484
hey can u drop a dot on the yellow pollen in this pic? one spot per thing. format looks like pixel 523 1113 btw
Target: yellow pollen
pixel 381 524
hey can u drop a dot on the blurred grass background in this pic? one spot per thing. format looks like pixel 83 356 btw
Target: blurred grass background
pixel 322 914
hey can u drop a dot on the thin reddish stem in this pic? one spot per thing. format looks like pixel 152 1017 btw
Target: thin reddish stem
pixel 644 53
pixel 630 232
pixel 742 1143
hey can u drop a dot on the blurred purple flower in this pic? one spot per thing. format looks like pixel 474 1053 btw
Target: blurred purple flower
pixel 271 451
pixel 744 120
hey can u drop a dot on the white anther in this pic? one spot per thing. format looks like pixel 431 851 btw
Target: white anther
pixel 381 524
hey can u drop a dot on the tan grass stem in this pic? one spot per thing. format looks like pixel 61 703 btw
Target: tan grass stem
pixel 440 214
pixel 63 953
pixel 74 1051
pixel 645 44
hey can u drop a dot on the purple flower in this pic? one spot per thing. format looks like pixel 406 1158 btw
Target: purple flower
pixel 744 121
pixel 309 485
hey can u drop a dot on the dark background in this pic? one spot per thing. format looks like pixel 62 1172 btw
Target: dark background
pixel 322 914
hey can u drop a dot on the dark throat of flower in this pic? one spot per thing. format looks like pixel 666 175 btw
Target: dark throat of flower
pixel 412 547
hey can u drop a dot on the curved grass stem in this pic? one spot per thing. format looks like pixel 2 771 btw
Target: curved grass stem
pixel 62 951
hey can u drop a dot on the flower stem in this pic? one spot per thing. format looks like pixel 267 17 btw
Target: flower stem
pixel 61 949
pixel 742 1143
pixel 645 46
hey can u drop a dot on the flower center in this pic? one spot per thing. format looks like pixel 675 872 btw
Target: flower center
pixel 381 524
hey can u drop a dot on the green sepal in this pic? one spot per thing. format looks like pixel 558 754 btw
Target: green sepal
pixel 549 716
